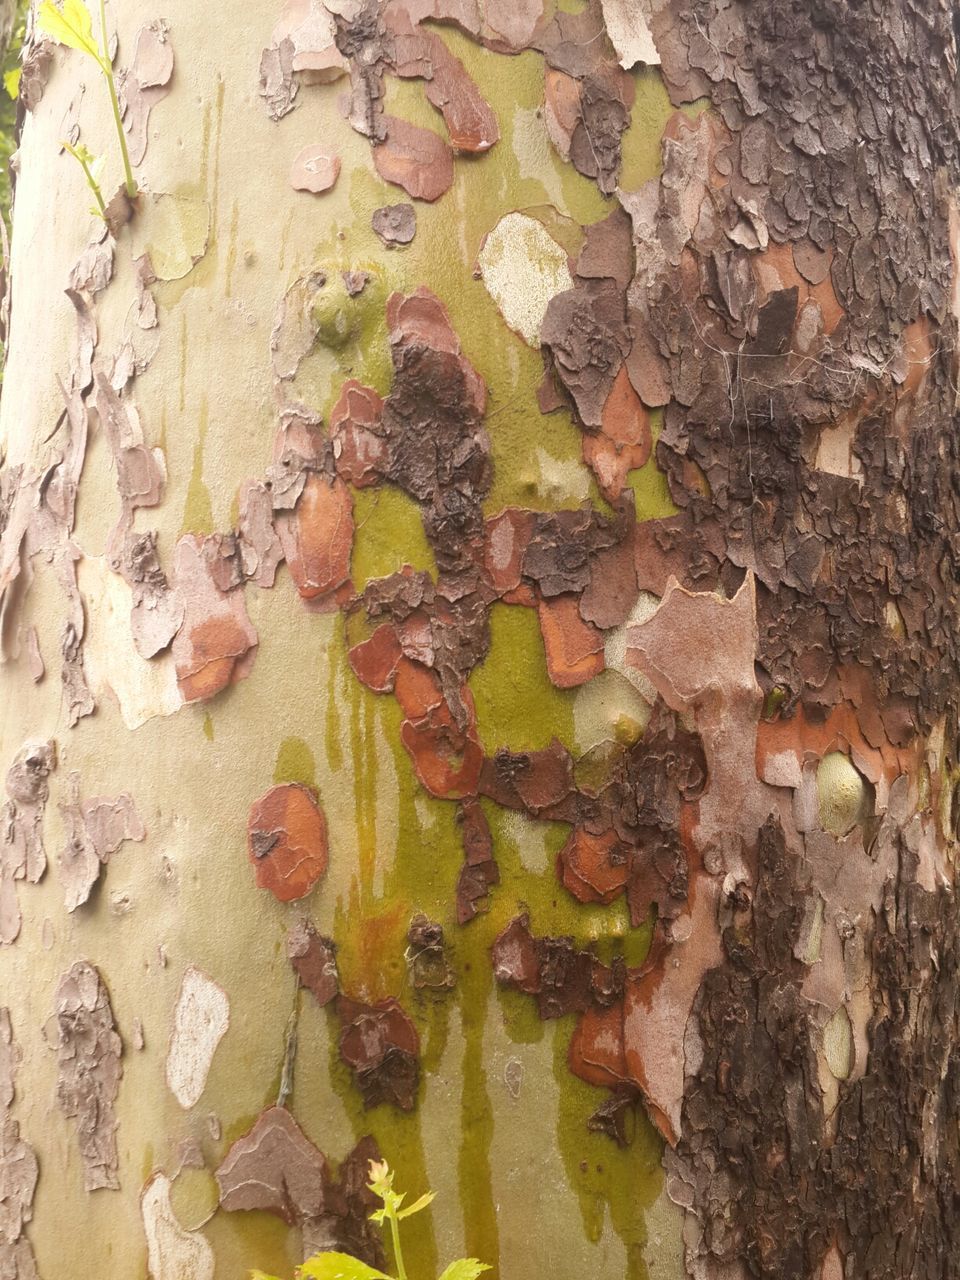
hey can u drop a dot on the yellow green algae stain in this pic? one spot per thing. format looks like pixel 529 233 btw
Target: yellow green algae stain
pixel 295 763
pixel 370 926
pixel 198 509
pixel 517 706
pixel 208 726
pixel 651 491
pixel 389 534
pixel 532 885
pixel 350 331
pixel 623 1181
pixel 603 1176
pixel 253 1238
pixel 537 463
pixel 522 172
pixel 194 1197
pixel 398 1135
pixel 481 1236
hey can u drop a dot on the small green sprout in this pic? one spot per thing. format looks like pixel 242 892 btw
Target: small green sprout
pixel 92 167
pixel 341 1266
pixel 72 26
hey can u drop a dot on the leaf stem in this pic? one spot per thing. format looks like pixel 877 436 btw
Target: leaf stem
pixel 107 66
pixel 91 180
pixel 397 1251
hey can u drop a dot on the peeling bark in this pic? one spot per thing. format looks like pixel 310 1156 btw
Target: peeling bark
pixel 701 819
pixel 88 1053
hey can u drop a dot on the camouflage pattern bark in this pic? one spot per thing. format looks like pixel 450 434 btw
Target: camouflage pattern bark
pixel 478 591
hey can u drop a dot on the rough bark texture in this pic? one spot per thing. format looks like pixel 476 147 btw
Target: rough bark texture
pixel 593 761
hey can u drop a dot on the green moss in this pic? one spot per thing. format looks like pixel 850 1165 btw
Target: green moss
pixel 389 535
pixel 517 706
pixel 295 763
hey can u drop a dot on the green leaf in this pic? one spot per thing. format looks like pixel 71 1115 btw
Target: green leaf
pixel 11 82
pixel 71 25
pixel 258 1275
pixel 337 1266
pixel 464 1269
pixel 417 1205
pixel 82 153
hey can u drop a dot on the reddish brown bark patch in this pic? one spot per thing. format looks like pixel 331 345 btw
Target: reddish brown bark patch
pixel 415 159
pixel 287 841
pixel 395 224
pixel 314 961
pixel 375 661
pixel 380 1045
pixel 274 1167
pixel 358 446
pixel 479 872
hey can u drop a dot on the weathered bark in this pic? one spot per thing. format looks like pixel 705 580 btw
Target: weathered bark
pixel 478 590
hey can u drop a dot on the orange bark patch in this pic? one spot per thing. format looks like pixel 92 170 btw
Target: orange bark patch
pixel 574 648
pixel 845 729
pixel 596 1051
pixel 623 442
pixel 446 758
pixel 287 841
pixel 375 661
pixel 318 537
pixel 360 453
pixel 417 689
pixel 505 539
pixel 216 643
pixel 595 868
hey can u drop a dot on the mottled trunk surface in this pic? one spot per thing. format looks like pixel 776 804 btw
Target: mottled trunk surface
pixel 478 588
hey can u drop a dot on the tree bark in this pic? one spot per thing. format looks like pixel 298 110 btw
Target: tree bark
pixel 478 602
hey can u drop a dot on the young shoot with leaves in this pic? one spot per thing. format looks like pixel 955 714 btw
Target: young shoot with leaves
pixel 72 26
pixel 342 1266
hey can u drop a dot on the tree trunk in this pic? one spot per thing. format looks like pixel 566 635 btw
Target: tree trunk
pixel 479 617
